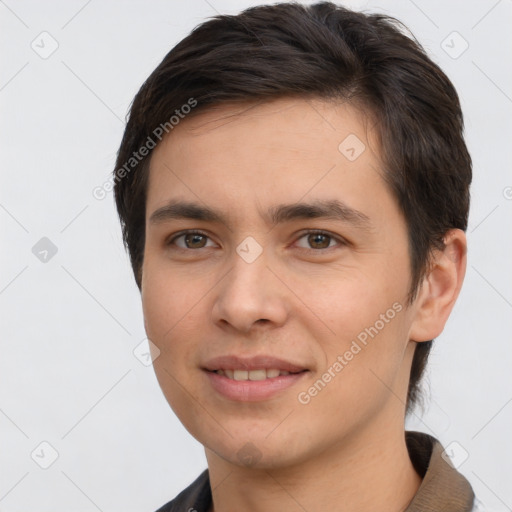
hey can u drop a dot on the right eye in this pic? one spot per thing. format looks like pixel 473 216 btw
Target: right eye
pixel 189 240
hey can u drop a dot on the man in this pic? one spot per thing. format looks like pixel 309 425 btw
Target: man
pixel 293 188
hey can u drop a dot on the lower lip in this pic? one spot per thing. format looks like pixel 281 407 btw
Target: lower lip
pixel 252 390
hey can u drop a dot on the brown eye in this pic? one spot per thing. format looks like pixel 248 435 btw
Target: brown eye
pixel 318 240
pixel 190 240
pixel 195 240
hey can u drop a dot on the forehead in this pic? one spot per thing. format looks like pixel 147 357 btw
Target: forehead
pixel 271 152
pixel 294 119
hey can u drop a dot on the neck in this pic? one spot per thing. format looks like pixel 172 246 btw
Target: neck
pixel 371 471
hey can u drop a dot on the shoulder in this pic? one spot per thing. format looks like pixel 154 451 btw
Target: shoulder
pixel 195 498
pixel 442 487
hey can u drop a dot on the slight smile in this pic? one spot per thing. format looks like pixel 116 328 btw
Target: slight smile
pixel 252 379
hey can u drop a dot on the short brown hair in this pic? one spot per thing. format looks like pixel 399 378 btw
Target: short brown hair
pixel 323 51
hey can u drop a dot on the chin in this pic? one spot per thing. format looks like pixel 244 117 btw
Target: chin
pixel 257 451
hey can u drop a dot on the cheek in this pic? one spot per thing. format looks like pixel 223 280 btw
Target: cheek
pixel 346 306
pixel 173 311
pixel 359 379
pixel 367 328
pixel 166 299
pixel 159 307
pixel 169 323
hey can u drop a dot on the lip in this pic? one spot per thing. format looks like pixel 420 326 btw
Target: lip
pixel 252 390
pixel 260 362
pixel 248 390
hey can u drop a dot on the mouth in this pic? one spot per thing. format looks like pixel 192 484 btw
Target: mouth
pixel 254 375
pixel 252 379
pixel 252 368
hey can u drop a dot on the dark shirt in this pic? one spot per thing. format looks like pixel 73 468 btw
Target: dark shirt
pixel 443 488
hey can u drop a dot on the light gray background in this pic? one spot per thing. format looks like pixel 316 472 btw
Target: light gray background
pixel 68 375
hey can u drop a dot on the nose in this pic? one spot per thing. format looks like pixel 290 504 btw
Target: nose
pixel 250 295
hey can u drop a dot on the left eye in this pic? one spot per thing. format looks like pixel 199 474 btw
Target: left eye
pixel 318 240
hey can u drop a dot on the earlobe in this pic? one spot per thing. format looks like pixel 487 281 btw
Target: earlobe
pixel 440 288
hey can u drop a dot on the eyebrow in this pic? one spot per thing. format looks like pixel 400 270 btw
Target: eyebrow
pixel 326 209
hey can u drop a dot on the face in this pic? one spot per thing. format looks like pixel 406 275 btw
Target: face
pixel 274 283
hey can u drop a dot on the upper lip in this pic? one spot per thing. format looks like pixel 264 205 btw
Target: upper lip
pixel 229 362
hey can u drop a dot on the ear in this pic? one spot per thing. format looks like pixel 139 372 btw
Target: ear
pixel 440 288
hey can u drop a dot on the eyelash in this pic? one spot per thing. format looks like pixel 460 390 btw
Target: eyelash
pixel 340 241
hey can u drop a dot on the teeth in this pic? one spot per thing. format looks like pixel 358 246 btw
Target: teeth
pixel 261 374
pixel 257 375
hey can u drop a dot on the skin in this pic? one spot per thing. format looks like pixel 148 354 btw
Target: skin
pixel 304 299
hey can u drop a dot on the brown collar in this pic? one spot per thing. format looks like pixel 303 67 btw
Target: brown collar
pixel 443 487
